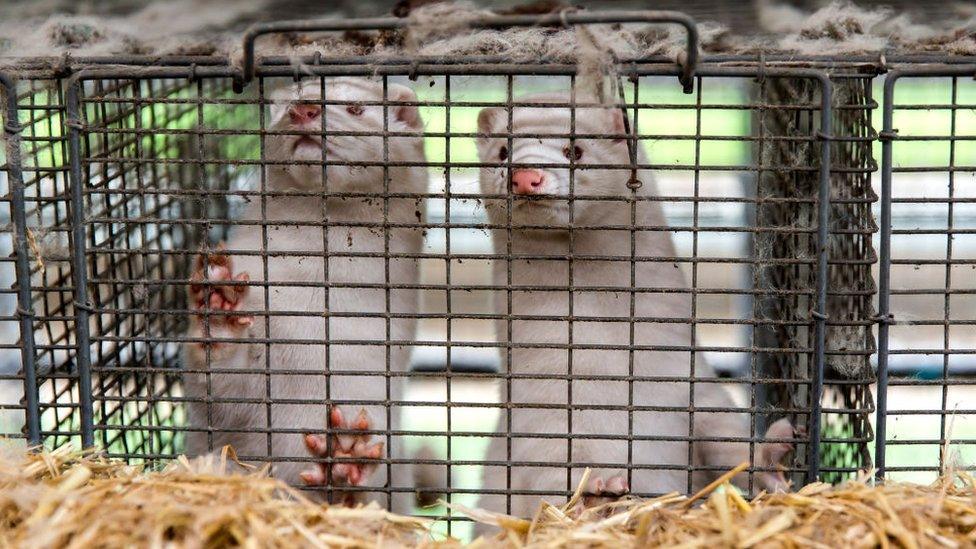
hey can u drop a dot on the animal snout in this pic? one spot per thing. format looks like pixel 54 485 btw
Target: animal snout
pixel 303 114
pixel 528 181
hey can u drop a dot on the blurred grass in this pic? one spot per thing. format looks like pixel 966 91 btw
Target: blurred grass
pixel 936 122
pixel 660 122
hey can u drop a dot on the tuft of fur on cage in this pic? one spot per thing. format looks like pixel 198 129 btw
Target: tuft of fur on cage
pixel 442 28
pixel 844 27
pixel 181 27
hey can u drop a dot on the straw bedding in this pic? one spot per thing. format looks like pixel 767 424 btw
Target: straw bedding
pixel 855 514
pixel 66 498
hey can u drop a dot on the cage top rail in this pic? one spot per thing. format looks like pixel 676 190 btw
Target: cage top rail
pixel 40 67
pixel 688 60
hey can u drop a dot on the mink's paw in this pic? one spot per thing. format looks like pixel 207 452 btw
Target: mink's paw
pixel 214 288
pixel 599 491
pixel 774 455
pixel 347 472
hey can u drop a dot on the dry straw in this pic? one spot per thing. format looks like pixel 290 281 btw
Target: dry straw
pixel 66 498
pixel 855 514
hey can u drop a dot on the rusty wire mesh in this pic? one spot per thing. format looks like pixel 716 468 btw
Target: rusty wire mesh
pixel 167 161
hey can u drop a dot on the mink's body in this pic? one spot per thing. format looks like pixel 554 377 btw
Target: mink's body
pixel 602 273
pixel 281 241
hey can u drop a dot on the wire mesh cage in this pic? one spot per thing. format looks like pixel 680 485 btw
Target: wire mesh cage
pixel 925 301
pixel 513 278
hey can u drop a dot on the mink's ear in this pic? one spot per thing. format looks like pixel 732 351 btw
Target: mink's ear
pixel 487 119
pixel 618 128
pixel 408 114
pixel 280 99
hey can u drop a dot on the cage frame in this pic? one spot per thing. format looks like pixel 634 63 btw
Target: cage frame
pixel 75 128
pixel 196 68
pixel 885 319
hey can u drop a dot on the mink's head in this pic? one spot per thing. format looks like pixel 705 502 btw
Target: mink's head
pixel 346 138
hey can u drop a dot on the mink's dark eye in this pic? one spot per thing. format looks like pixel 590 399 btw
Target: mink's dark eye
pixel 573 153
pixel 503 153
pixel 355 110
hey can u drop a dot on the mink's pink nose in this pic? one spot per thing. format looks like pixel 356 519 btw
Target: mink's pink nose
pixel 303 114
pixel 527 181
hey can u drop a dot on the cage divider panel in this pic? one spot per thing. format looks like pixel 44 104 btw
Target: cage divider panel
pixel 784 279
pixel 41 101
pixel 97 129
pixel 850 311
pixel 79 236
pixel 787 129
pixel 939 371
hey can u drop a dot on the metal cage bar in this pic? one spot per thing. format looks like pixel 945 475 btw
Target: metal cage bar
pixel 25 310
pixel 79 266
pixel 566 18
pixel 888 136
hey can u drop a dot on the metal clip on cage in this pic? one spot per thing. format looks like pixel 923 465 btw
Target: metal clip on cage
pixel 687 60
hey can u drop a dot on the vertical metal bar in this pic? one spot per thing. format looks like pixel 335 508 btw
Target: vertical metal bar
pixel 326 305
pixel 25 313
pixel 79 270
pixel 112 232
pixel 207 289
pixel 694 287
pixel 755 265
pixel 509 201
pixel 386 288
pixel 884 273
pixel 447 298
pixel 947 304
pixel 632 144
pixel 265 269
pixel 152 436
pixel 819 314
pixel 571 203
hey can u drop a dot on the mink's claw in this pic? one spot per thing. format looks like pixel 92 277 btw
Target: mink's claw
pixel 599 491
pixel 774 454
pixel 347 472
pixel 207 298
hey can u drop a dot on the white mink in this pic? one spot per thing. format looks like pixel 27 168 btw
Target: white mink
pixel 290 258
pixel 593 238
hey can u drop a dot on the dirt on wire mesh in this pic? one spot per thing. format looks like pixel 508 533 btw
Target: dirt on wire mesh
pixel 67 498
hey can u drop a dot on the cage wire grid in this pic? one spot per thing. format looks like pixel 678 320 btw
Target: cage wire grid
pixel 957 289
pixel 113 348
pixel 112 212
